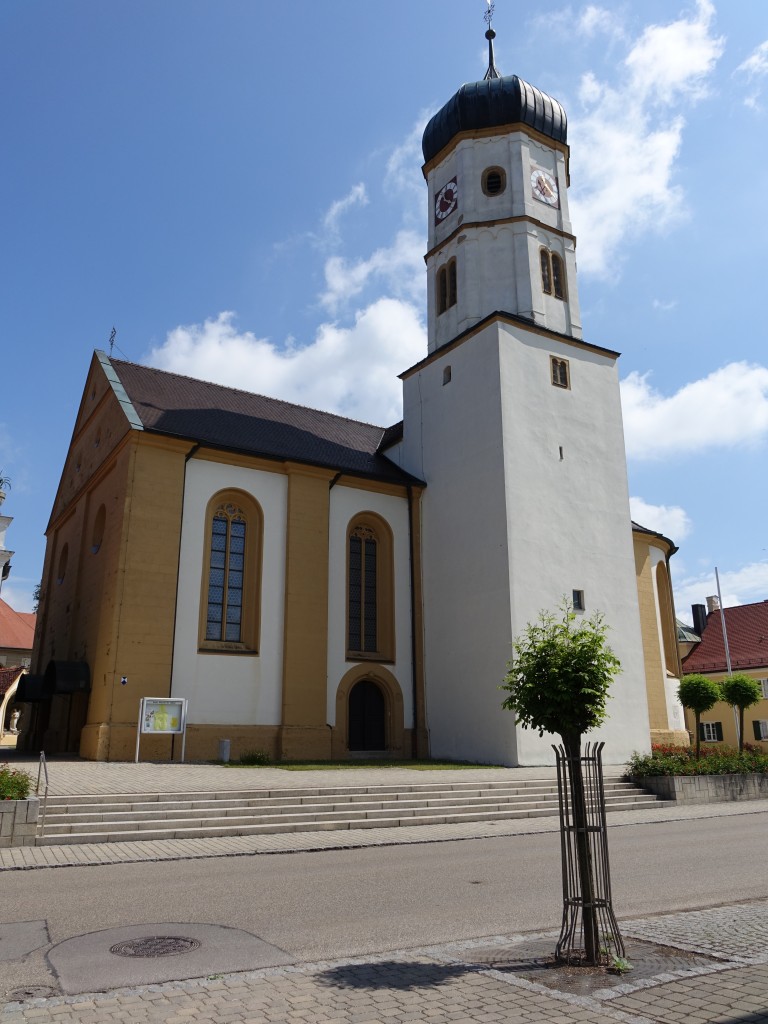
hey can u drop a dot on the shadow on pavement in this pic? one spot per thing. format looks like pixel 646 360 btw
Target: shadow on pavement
pixel 393 974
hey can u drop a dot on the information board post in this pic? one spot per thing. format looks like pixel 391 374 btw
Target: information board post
pixel 162 716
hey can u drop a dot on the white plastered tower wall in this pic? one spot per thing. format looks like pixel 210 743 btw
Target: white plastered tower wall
pixel 496 239
pixel 526 498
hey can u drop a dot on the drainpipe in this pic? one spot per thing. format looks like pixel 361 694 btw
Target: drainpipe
pixel 414 732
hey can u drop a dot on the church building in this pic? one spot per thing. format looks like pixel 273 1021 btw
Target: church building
pixel 321 588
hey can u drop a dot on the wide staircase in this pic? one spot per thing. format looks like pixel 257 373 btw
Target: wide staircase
pixel 119 818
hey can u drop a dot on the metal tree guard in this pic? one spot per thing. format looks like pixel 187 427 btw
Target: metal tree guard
pixel 589 933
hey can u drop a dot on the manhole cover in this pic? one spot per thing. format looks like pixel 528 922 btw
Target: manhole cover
pixel 32 992
pixel 154 946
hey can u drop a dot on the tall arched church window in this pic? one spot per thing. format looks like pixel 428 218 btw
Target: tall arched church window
pixel 446 286
pixel 667 617
pixel 552 274
pixel 370 603
pixel 231 574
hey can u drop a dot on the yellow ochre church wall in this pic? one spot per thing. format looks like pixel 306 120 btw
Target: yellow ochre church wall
pixel 304 731
pixel 145 594
pixel 652 653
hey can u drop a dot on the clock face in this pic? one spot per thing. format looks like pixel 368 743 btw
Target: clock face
pixel 447 200
pixel 544 187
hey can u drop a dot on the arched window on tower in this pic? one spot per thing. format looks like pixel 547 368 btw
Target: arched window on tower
pixel 546 271
pixel 558 276
pixel 370 599
pixel 446 286
pixel 231 574
pixel 552 274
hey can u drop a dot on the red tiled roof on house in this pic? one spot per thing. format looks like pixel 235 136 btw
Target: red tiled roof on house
pixel 747 629
pixel 17 629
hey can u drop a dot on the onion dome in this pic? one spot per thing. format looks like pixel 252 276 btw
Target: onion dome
pixel 494 103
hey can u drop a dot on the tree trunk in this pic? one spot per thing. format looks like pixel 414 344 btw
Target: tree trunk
pixel 583 850
pixel 741 729
pixel 697 717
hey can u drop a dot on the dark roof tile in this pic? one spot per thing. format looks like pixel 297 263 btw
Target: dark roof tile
pixel 222 417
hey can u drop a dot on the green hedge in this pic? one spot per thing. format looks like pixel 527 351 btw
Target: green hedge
pixel 713 761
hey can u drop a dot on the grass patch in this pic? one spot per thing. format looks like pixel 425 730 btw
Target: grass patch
pixel 308 766
pixel 714 760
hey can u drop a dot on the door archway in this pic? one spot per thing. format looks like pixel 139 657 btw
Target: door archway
pixel 367 717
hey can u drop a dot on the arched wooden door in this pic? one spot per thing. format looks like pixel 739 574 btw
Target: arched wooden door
pixel 367 711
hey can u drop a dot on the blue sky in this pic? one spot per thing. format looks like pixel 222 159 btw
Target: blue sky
pixel 236 187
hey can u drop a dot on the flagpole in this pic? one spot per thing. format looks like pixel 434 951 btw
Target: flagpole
pixel 727 650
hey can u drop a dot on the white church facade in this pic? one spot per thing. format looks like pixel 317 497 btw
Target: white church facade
pixel 322 588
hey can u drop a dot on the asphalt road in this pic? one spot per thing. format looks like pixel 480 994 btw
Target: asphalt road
pixel 337 904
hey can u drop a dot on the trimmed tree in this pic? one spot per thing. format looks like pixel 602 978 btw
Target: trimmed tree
pixel 698 693
pixel 557 682
pixel 742 691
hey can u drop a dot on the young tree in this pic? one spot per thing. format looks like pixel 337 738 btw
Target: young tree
pixel 557 682
pixel 742 691
pixel 698 693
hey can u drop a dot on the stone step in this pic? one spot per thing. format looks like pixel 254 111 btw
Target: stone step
pixel 149 801
pixel 282 824
pixel 164 808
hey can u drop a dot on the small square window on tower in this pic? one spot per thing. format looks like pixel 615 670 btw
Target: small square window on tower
pixel 577 600
pixel 561 377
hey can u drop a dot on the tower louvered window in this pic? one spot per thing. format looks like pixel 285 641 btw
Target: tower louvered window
pixel 447 286
pixel 552 274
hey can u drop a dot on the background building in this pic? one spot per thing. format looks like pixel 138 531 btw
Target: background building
pixel 746 628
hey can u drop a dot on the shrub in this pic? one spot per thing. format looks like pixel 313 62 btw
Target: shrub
pixel 742 691
pixel 255 757
pixel 713 760
pixel 14 785
pixel 698 693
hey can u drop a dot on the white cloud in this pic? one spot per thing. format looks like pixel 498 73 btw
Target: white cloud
pixel 738 586
pixel 664 306
pixel 756 64
pixel 628 137
pixel 755 67
pixel 350 370
pixel 594 20
pixel 403 173
pixel 18 594
pixel 357 196
pixel 400 267
pixel 671 520
pixel 728 407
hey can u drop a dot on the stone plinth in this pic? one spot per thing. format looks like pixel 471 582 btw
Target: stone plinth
pixel 18 822
pixel 706 789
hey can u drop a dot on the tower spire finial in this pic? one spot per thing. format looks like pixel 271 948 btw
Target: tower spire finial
pixel 490 35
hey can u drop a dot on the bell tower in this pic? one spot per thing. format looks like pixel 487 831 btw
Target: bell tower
pixel 513 420
pixel 500 237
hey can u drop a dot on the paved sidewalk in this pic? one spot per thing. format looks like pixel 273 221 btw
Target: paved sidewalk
pixel 454 984
pixel 90 778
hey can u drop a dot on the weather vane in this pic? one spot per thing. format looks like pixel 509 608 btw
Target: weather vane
pixel 112 337
pixel 490 35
